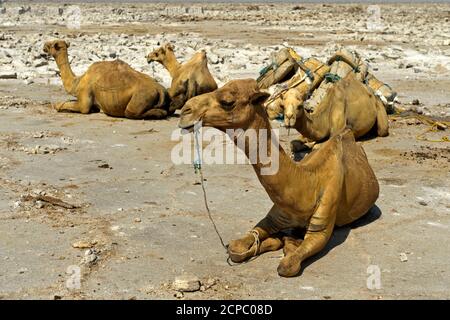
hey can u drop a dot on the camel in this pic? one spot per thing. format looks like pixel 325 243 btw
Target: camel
pixel 347 104
pixel 111 86
pixel 189 79
pixel 332 186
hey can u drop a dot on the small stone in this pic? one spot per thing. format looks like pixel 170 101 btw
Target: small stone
pixel 137 220
pixel 39 204
pixel 23 270
pixel 179 295
pixel 186 283
pixel 423 203
pixel 83 244
pixel 403 257
pixel 8 75
pixel 90 257
pixel 415 102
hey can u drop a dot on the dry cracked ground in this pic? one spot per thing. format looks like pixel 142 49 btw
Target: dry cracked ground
pixel 101 196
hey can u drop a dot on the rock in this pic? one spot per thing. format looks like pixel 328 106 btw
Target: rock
pixel 113 55
pixel 40 63
pixel 403 257
pixel 83 244
pixel 23 10
pixel 137 220
pixel 8 75
pixel 423 203
pixel 186 283
pixel 90 257
pixel 22 270
pixel 179 295
pixel 415 102
pixel 39 204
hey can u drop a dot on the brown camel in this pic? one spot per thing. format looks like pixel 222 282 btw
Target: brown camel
pixel 333 185
pixel 189 79
pixel 111 86
pixel 347 104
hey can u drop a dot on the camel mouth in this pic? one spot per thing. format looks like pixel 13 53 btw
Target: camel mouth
pixel 186 128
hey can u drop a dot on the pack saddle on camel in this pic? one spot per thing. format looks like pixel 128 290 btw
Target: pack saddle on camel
pixel 320 101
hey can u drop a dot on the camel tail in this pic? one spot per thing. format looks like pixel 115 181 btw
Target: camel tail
pixel 382 120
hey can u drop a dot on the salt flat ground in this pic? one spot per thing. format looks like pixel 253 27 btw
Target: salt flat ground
pixel 144 216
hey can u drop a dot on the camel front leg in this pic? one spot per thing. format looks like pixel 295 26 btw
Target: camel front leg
pixel 247 247
pixel 318 233
pixel 81 106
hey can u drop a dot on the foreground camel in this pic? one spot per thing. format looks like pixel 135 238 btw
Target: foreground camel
pixel 189 79
pixel 333 185
pixel 111 86
pixel 347 104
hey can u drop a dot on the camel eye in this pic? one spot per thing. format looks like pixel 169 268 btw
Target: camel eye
pixel 227 104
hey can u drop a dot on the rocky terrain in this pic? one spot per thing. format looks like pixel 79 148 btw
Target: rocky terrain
pixel 100 196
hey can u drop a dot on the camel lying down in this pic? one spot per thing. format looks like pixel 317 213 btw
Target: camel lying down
pixel 111 86
pixel 349 103
pixel 332 186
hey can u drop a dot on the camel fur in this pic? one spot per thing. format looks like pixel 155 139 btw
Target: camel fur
pixel 332 186
pixel 189 79
pixel 347 104
pixel 111 86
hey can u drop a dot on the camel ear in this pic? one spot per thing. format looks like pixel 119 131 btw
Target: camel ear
pixel 259 97
pixel 67 44
pixel 169 47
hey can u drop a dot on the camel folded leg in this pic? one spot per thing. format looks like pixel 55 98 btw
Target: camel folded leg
pixel 290 245
pixel 317 235
pixel 245 248
pixel 81 106
pixel 141 106
pixel 382 121
pixel 149 114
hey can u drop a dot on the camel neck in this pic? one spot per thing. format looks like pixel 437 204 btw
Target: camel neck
pixel 275 169
pixel 67 76
pixel 311 125
pixel 171 64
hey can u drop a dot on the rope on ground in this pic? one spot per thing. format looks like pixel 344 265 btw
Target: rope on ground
pixel 434 125
pixel 198 169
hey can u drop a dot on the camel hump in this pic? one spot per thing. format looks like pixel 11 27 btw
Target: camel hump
pixel 199 57
pixel 112 75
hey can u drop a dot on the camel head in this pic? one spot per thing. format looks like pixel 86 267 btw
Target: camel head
pixel 233 106
pixel 292 102
pixel 274 108
pixel 160 53
pixel 56 47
